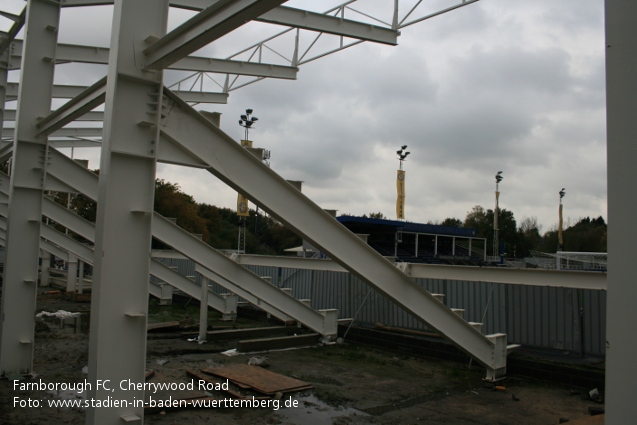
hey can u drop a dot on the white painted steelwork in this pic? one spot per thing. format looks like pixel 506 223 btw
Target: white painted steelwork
pixel 621 104
pixel 25 192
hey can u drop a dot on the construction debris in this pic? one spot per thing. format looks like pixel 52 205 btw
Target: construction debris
pixel 259 361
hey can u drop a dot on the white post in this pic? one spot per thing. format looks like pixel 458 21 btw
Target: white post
pixel 119 304
pixel 25 194
pixel 621 102
pixel 203 311
pixel 71 275
pixel 80 278
pixel 45 273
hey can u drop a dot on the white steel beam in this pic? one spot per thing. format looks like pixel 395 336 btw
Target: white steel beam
pixel 64 132
pixel 212 23
pixel 89 99
pixel 289 262
pixel 4 72
pixel 59 91
pixel 9 115
pixel 75 143
pixel 99 55
pixel 527 277
pixel 25 196
pixel 203 97
pixel 621 106
pixel 234 67
pixel 313 21
pixel 69 92
pixel 119 303
pixel 532 277
pixel 246 174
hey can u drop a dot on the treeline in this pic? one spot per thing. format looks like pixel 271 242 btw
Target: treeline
pixel 585 235
pixel 218 227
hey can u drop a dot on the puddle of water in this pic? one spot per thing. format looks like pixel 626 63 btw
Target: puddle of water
pixel 311 411
pixel 69 325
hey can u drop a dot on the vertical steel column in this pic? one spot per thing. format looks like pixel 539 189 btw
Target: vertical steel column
pixel 26 186
pixel 621 104
pixel 4 72
pixel 117 346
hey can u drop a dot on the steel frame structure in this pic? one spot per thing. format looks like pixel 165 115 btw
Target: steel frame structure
pixel 145 123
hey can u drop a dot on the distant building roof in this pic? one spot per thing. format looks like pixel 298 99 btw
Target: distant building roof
pixel 406 226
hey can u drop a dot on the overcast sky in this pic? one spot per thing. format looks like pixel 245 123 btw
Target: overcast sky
pixel 498 85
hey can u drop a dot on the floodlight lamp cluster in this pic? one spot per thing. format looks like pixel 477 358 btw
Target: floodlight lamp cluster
pixel 247 121
pixel 562 193
pixel 498 177
pixel 402 155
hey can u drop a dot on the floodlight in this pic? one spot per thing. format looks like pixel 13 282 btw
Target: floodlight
pixel 244 117
pixel 248 111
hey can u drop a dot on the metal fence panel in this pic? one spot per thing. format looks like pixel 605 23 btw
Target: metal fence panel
pixel 557 318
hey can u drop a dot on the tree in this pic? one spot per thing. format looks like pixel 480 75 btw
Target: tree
pixel 377 215
pixel 482 221
pixel 451 222
pixel 528 236
pixel 477 219
pixel 587 235
pixel 171 202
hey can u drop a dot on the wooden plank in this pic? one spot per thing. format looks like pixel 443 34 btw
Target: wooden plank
pixel 259 379
pixel 589 420
pixel 163 325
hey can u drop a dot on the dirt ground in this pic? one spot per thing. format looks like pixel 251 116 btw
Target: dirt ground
pixel 353 384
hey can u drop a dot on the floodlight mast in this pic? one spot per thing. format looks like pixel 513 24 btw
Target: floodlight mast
pixel 560 230
pixel 496 230
pixel 400 185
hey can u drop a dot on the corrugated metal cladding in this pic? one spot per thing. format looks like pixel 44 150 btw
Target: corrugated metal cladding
pixel 558 318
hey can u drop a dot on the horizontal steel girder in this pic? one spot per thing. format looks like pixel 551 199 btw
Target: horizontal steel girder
pixel 290 17
pixel 10 115
pixel 532 277
pixel 313 21
pixel 69 92
pixel 246 174
pixel 528 277
pixel 63 132
pixel 99 55
pixel 219 19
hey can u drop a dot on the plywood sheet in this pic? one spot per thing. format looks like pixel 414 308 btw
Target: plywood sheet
pixel 259 379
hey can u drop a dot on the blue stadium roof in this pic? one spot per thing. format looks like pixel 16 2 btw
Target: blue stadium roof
pixel 406 226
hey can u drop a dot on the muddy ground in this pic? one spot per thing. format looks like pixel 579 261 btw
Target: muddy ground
pixel 353 384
